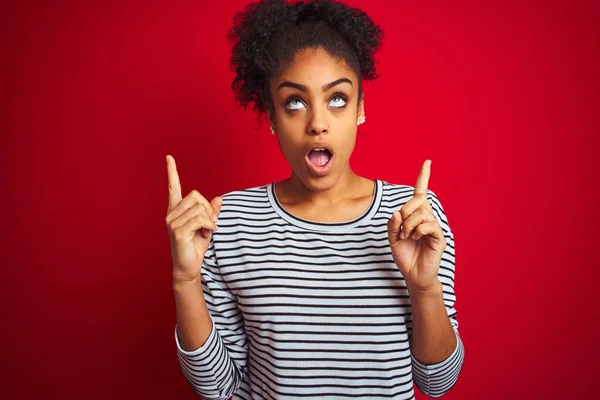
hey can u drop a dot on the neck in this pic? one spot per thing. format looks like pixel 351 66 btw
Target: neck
pixel 297 192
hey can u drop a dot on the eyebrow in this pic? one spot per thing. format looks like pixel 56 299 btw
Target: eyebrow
pixel 303 88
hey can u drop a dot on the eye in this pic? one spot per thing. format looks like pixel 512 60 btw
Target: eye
pixel 294 104
pixel 338 100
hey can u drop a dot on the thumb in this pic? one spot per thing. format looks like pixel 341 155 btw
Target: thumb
pixel 393 227
pixel 216 204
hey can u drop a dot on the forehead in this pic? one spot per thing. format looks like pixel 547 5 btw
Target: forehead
pixel 314 67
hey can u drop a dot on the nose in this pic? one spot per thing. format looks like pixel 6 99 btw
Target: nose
pixel 317 123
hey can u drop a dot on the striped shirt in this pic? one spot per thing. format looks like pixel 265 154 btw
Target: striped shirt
pixel 313 310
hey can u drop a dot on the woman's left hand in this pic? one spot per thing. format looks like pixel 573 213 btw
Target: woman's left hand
pixel 418 253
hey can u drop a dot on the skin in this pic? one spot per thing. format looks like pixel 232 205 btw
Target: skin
pixel 314 116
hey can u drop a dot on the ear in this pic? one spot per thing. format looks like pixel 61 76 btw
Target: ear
pixel 271 118
pixel 361 106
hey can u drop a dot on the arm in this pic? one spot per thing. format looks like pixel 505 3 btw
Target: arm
pixel 194 323
pixel 210 336
pixel 437 350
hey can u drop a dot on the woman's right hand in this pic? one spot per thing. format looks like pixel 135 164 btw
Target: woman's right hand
pixel 190 223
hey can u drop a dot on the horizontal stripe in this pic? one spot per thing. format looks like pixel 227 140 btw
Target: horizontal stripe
pixel 304 309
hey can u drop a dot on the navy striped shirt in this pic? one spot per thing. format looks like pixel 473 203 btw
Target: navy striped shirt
pixel 313 310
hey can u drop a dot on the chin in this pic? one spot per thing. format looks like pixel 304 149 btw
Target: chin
pixel 319 183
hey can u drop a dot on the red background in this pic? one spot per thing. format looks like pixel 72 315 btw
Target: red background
pixel 501 96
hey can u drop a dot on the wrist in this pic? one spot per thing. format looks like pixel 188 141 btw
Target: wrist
pixel 179 282
pixel 433 291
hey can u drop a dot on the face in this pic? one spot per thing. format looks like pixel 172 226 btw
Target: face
pixel 315 104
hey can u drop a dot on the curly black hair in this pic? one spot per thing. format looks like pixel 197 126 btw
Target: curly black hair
pixel 268 33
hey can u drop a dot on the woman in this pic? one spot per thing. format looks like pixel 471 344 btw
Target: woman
pixel 326 284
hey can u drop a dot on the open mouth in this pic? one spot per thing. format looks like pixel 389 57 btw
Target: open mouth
pixel 319 157
pixel 319 161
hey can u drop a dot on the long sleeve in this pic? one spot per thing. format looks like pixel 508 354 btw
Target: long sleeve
pixel 215 370
pixel 436 379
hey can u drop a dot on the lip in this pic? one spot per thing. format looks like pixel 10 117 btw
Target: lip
pixel 319 145
pixel 318 170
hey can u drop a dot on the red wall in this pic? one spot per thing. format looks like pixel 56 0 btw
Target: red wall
pixel 501 96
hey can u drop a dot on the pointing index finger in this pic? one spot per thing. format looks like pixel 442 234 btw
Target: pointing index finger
pixel 423 179
pixel 174 184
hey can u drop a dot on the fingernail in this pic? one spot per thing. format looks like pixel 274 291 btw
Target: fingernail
pixel 215 218
pixel 402 235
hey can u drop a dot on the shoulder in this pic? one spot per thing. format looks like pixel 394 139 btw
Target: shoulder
pixel 241 200
pixel 395 195
pixel 397 190
pixel 248 192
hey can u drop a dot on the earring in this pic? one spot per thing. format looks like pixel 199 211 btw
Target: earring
pixel 361 120
pixel 272 130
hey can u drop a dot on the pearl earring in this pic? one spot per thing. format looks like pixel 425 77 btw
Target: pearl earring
pixel 272 130
pixel 361 120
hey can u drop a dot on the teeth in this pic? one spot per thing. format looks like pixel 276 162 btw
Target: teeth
pixel 319 149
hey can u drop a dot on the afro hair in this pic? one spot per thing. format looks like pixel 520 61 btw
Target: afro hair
pixel 267 34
